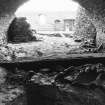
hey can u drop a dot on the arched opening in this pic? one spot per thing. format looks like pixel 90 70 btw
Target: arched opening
pixel 64 81
pixel 56 26
pixel 42 15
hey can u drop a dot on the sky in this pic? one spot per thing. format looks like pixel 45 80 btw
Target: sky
pixel 32 7
pixel 48 6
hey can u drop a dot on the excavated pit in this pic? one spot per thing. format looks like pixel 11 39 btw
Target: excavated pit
pixel 59 82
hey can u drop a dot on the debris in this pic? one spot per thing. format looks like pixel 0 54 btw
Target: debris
pixel 72 86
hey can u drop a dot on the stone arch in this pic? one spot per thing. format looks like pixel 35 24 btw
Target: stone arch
pixel 96 11
pixel 7 10
pixel 84 26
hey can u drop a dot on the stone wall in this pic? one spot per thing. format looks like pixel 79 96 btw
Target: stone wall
pixel 7 10
pixel 95 9
pixel 100 28
pixel 84 27
pixel 10 6
pixel 4 24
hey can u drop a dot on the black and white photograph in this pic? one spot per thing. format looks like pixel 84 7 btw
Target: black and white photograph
pixel 52 52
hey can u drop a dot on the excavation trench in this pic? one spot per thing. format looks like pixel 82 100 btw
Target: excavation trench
pixel 68 82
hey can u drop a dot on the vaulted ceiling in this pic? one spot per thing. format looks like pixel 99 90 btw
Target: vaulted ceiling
pixel 97 6
pixel 10 6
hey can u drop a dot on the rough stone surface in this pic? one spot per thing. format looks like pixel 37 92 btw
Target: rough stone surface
pixel 3 74
pixel 74 86
pixel 10 6
pixel 96 12
pixel 7 9
pixel 84 27
pixel 4 24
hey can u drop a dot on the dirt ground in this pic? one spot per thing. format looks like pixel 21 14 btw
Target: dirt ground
pixel 45 48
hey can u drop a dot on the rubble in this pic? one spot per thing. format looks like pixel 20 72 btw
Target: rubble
pixel 74 86
pixel 9 92
pixel 3 74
